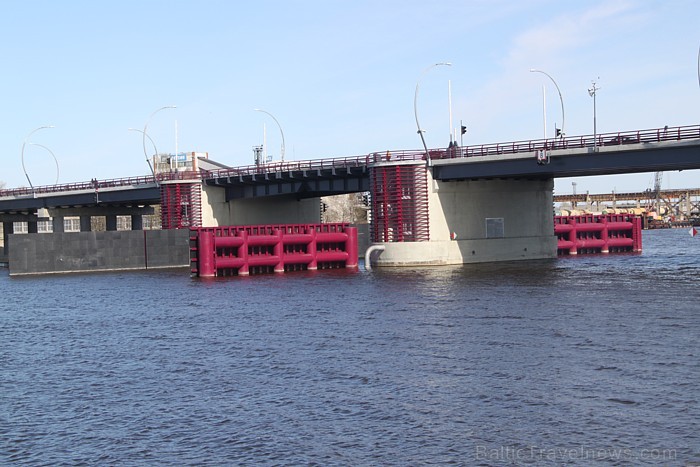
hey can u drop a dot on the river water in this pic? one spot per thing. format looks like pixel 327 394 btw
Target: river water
pixel 591 360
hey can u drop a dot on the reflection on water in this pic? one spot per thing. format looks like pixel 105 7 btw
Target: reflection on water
pixel 583 358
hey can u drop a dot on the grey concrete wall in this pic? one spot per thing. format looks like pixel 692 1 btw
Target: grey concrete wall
pixel 217 211
pixel 363 239
pixel 167 248
pixel 97 251
pixel 275 210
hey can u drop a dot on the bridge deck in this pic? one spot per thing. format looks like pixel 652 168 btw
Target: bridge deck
pixel 676 148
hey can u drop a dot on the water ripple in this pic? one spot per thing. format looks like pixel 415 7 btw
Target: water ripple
pixel 457 365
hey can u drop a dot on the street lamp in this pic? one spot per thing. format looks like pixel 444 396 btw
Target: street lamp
pixel 279 126
pixel 26 140
pixel 145 135
pixel 592 92
pixel 52 155
pixel 561 100
pixel 415 106
pixel 155 149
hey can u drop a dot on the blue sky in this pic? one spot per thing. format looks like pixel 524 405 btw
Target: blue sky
pixel 338 76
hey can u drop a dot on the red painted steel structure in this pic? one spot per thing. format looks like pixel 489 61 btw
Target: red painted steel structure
pixel 181 205
pixel 255 249
pixel 400 203
pixel 592 234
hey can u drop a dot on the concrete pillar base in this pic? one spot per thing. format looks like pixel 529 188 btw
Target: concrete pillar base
pixel 451 252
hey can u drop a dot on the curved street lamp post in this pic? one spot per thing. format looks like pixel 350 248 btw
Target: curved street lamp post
pixel 415 107
pixel 24 144
pixel 52 155
pixel 561 100
pixel 155 149
pixel 145 135
pixel 279 126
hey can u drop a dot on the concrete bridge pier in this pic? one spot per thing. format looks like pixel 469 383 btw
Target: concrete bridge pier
pixel 422 221
pixel 218 210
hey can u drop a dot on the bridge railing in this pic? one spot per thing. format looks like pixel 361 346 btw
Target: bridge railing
pixel 310 165
pixel 78 186
pixel 575 142
pixel 101 184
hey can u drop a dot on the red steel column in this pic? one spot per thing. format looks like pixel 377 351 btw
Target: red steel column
pixel 573 238
pixel 637 233
pixel 351 247
pixel 311 249
pixel 243 254
pixel 205 254
pixel 278 250
pixel 604 234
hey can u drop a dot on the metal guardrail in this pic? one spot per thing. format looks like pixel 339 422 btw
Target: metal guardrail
pixel 577 142
pixel 100 184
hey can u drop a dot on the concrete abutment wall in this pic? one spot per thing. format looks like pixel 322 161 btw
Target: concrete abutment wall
pixel 97 251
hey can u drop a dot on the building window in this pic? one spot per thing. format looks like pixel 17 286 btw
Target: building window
pixel 123 222
pixel 45 226
pixel 71 224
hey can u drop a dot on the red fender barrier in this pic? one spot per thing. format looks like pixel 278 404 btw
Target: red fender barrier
pixel 598 233
pixel 254 249
pixel 205 244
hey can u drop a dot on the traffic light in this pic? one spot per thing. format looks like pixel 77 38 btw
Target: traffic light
pixel 464 129
pixel 557 132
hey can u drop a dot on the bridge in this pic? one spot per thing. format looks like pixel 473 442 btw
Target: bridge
pixel 416 197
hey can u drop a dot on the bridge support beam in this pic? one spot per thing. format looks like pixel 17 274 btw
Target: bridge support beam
pixel 474 221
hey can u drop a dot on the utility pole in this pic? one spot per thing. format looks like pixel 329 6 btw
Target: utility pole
pixel 592 92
